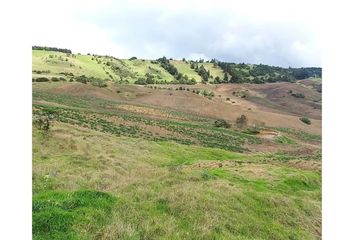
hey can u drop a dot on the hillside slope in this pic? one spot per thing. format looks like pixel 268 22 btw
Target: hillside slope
pixel 53 65
pixel 115 160
pixel 117 164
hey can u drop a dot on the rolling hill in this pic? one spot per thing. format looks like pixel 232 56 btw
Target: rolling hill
pixel 68 66
pixel 115 160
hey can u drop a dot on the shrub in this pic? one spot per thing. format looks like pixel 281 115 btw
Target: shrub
pixel 298 95
pixel 206 175
pixel 82 79
pixel 252 131
pixel 242 121
pixel 42 79
pixel 305 120
pixel 42 122
pixel 133 58
pixel 222 123
pixel 98 82
pixel 141 81
pixel 55 79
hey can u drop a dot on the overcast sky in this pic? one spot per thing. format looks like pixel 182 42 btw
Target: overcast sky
pixel 282 33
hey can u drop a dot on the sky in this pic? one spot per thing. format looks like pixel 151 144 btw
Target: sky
pixel 280 33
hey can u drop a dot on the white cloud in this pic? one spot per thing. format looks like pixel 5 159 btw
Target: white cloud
pixel 272 32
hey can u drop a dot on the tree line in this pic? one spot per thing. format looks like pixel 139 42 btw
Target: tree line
pixel 63 50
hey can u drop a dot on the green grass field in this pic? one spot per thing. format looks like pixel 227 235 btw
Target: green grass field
pixel 185 69
pixel 118 169
pixel 140 189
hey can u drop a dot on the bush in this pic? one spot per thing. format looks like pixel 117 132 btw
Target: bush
pixel 42 122
pixel 55 79
pixel 252 131
pixel 242 121
pixel 298 95
pixel 222 123
pixel 42 79
pixel 82 79
pixel 141 81
pixel 305 120
pixel 98 82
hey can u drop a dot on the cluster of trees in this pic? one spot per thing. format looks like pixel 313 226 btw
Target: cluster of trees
pixel 205 75
pixel 260 73
pixel 94 81
pixel 165 63
pixel 302 73
pixel 183 79
pixel 179 77
pixel 241 122
pixel 63 50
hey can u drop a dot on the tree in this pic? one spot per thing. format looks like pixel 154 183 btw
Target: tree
pixel 164 62
pixel 42 122
pixel 241 122
pixel 305 120
pixel 141 81
pixel 222 123
pixel 203 73
pixel 226 78
pixel 217 79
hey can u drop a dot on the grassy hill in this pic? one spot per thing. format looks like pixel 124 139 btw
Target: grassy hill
pixel 171 161
pixel 65 66
pixel 115 165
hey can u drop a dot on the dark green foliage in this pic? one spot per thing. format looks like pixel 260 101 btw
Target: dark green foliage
pixel 305 120
pixel 203 73
pixel 42 79
pixel 94 81
pixel 141 81
pixel 133 58
pixel 261 73
pixel 165 63
pixel 217 79
pixel 226 77
pixel 64 50
pixel 298 95
pixel 183 79
pixel 222 123
pixel 67 74
pixel 40 72
pixel 82 79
